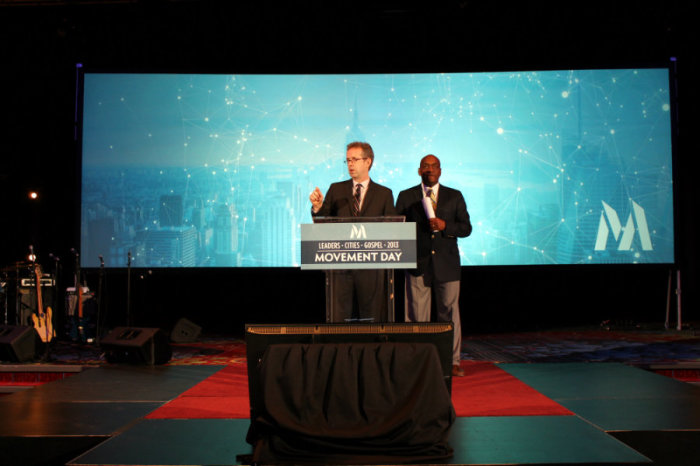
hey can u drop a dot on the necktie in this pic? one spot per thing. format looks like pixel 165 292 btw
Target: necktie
pixel 433 200
pixel 356 200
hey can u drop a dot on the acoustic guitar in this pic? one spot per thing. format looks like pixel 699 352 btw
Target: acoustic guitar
pixel 43 320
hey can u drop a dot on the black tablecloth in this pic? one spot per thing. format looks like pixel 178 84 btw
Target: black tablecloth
pixel 360 403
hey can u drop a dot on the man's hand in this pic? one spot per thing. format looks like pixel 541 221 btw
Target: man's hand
pixel 436 224
pixel 316 199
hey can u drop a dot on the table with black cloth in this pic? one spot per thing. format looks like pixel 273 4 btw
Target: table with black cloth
pixel 352 403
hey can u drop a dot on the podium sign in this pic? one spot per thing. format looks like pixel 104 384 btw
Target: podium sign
pixel 358 245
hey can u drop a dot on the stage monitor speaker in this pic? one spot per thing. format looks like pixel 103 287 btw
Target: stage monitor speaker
pixel 27 301
pixel 136 345
pixel 259 336
pixel 318 390
pixel 17 343
pixel 185 331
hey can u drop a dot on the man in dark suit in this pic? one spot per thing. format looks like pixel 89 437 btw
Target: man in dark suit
pixel 441 217
pixel 358 294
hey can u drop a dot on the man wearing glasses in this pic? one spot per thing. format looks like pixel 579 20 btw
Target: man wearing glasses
pixel 360 295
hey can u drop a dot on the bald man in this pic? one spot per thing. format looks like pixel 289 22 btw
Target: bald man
pixel 438 264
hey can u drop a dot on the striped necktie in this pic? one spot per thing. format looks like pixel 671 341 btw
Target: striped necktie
pixel 356 200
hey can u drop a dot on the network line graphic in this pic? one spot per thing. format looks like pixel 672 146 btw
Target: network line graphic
pixel 194 170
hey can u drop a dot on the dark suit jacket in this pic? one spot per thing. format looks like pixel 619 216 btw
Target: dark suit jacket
pixel 438 255
pixel 378 202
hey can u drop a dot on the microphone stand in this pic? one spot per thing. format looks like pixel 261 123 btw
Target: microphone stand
pixel 79 319
pixel 56 271
pixel 128 290
pixel 4 300
pixel 100 280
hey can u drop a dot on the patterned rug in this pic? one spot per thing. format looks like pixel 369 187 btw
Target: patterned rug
pixel 219 351
pixel 635 347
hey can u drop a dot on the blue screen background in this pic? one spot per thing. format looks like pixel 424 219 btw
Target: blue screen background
pixel 557 167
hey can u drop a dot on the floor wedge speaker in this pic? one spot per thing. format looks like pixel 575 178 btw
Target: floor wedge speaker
pixel 17 343
pixel 259 337
pixel 384 392
pixel 185 331
pixel 137 345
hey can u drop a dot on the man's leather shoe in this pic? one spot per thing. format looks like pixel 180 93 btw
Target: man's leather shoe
pixel 457 371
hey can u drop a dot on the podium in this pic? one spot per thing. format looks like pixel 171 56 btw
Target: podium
pixel 341 244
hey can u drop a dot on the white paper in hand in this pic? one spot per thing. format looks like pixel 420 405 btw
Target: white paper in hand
pixel 428 206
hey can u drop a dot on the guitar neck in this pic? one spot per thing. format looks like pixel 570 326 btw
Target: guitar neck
pixel 37 279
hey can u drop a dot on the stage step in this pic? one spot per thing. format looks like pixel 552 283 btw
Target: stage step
pixel 18 377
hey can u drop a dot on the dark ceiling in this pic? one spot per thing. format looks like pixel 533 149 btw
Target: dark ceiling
pixel 344 36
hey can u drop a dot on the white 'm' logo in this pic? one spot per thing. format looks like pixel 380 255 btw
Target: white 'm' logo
pixel 637 216
pixel 358 232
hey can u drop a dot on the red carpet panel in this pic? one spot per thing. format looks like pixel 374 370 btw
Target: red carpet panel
pixel 486 390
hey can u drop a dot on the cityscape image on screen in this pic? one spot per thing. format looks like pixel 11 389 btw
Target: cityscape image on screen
pixel 214 170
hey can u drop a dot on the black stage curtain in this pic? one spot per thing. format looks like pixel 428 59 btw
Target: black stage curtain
pixel 352 403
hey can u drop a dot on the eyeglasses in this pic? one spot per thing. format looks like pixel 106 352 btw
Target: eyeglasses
pixel 355 160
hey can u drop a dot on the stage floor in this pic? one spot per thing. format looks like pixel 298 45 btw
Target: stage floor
pixel 617 414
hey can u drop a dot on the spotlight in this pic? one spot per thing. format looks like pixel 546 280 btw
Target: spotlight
pixel 33 195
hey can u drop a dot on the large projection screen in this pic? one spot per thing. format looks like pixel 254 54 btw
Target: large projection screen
pixel 214 170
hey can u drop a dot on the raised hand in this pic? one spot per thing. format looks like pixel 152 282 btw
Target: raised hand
pixel 316 199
